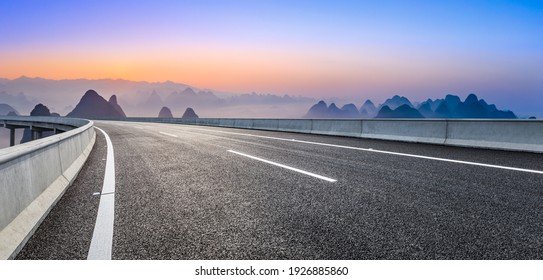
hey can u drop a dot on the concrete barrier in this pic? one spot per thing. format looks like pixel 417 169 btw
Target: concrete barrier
pixel 211 122
pixel 493 134
pixel 295 125
pixel 266 124
pixel 350 128
pixel 226 122
pixel 243 123
pixel 514 135
pixel 166 120
pixel 197 121
pixel 421 131
pixel 33 177
pixel 179 121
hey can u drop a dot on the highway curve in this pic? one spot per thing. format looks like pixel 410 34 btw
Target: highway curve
pixel 195 192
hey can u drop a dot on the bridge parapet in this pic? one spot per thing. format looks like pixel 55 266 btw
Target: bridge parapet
pixel 501 134
pixel 34 175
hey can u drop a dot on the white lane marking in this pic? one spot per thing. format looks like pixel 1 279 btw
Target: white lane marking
pixel 102 236
pixel 384 152
pixel 246 134
pixel 428 157
pixel 285 166
pixel 171 135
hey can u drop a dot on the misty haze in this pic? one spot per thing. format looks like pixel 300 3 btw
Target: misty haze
pixel 230 133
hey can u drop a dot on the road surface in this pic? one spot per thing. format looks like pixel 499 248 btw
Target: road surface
pixel 195 192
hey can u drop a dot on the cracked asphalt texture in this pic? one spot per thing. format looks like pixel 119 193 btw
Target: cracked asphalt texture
pixel 188 198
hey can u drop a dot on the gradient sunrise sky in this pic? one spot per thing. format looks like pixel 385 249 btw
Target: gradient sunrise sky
pixel 414 48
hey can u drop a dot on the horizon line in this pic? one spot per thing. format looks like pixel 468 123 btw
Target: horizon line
pixel 328 99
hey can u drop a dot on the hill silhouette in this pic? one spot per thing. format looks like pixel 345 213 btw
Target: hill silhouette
pixel 189 114
pixel 93 105
pixel 350 111
pixel 6 109
pixel 113 102
pixel 368 109
pixel 400 107
pixel 319 110
pixel 403 111
pixel 165 113
pixel 397 101
pixel 39 110
pixel 471 108
pixel 442 111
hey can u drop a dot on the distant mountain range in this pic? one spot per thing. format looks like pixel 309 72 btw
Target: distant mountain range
pixel 403 111
pixel 7 110
pixel 400 107
pixel 145 99
pixel 92 105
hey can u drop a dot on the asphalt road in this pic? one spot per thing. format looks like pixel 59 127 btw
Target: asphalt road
pixel 182 194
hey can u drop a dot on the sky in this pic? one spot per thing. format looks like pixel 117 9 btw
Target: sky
pixel 351 49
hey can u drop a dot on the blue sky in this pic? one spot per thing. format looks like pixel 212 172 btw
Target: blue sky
pixel 366 49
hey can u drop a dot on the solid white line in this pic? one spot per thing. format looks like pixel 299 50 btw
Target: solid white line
pixel 383 152
pixel 171 135
pixel 285 166
pixel 102 236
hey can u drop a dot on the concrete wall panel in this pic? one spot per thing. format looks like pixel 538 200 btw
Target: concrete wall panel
pixel 33 177
pixel 351 128
pixel 517 135
pixel 266 124
pixel 295 125
pixel 226 122
pixel 243 123
pixel 421 131
pixel 499 134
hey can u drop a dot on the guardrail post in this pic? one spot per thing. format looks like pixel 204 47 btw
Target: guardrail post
pixel 12 137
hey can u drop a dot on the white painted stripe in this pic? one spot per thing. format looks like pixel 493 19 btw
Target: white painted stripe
pixel 285 166
pixel 171 135
pixel 426 157
pixel 383 152
pixel 102 237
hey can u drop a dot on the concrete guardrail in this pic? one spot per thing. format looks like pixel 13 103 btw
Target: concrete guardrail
pixel 34 175
pixel 513 135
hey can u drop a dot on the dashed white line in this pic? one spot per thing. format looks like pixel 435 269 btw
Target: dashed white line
pixel 171 135
pixel 426 157
pixel 285 166
pixel 102 236
pixel 383 152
